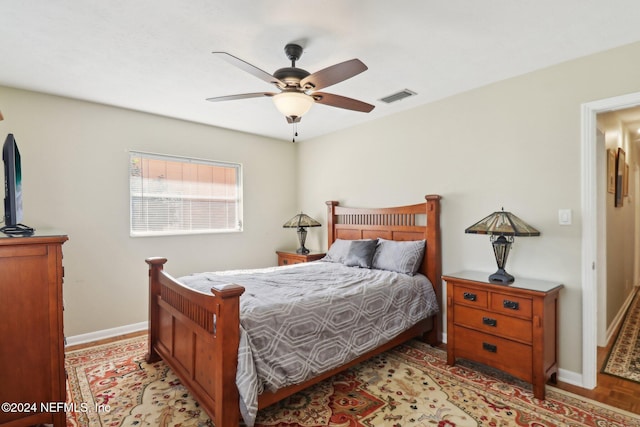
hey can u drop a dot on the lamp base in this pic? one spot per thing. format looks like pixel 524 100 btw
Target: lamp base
pixel 501 276
pixel 302 237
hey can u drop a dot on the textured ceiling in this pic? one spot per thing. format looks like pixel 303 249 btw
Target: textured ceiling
pixel 155 56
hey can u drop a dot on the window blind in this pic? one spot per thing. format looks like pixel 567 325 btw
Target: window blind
pixel 179 195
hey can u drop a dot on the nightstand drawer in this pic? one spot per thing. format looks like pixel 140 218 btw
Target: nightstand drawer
pixel 470 296
pixel 511 305
pixel 289 258
pixel 509 356
pixel 494 323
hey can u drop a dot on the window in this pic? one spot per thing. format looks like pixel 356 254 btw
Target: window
pixel 179 195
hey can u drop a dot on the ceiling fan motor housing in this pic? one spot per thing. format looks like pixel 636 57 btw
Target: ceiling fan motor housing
pixel 291 75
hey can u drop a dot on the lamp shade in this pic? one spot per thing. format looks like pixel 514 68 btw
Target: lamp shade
pixel 301 220
pixel 293 104
pixel 502 223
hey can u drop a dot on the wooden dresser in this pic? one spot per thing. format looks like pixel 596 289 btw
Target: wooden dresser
pixel 32 375
pixel 291 257
pixel 512 327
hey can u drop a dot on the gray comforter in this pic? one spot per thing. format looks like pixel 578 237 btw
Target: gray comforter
pixel 302 320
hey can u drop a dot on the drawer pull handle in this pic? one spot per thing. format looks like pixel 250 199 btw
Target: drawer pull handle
pixel 512 305
pixel 489 321
pixel 492 348
pixel 469 296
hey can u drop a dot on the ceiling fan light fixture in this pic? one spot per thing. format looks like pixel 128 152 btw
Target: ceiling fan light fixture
pixel 293 104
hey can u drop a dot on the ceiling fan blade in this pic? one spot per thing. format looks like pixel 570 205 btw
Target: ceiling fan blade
pixel 240 96
pixel 333 74
pixel 341 102
pixel 251 69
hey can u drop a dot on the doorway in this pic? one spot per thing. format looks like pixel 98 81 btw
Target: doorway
pixel 593 259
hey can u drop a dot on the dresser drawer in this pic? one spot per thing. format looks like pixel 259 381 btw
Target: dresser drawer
pixel 506 355
pixel 494 323
pixel 470 296
pixel 511 305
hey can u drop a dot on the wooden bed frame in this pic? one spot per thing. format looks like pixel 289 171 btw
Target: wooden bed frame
pixel 197 334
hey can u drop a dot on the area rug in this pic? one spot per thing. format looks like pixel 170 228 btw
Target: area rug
pixel 624 358
pixel 411 385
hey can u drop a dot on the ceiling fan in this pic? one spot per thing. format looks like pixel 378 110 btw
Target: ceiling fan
pixel 298 88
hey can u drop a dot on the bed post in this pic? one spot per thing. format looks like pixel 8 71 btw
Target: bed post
pixel 155 267
pixel 331 219
pixel 434 263
pixel 226 333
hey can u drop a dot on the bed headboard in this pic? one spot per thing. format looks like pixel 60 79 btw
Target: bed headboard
pixel 412 222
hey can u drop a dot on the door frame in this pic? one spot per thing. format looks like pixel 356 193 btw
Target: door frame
pixel 591 257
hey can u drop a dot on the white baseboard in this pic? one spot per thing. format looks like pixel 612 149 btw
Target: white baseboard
pixel 570 377
pixel 107 333
pixel 619 318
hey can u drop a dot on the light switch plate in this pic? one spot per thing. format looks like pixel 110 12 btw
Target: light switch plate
pixel 564 216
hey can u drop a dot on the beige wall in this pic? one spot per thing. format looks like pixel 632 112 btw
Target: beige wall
pixel 514 144
pixel 75 178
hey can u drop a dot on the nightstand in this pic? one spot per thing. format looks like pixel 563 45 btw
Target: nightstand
pixel 512 327
pixel 291 257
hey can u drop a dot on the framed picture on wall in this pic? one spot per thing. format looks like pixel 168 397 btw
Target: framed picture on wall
pixel 620 169
pixel 611 171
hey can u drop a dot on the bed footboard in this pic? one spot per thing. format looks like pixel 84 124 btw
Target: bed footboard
pixel 197 335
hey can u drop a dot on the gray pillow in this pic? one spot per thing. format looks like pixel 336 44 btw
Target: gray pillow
pixel 338 251
pixel 399 256
pixel 361 253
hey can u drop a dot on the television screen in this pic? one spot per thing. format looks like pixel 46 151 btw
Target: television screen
pixel 13 189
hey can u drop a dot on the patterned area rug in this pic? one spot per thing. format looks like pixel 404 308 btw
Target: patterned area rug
pixel 411 385
pixel 624 358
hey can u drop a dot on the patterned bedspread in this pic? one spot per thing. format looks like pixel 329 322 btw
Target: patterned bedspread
pixel 301 320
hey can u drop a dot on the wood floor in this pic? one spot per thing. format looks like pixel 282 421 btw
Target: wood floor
pixel 611 390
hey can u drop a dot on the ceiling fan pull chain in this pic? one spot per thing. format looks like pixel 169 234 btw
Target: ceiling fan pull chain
pixel 295 132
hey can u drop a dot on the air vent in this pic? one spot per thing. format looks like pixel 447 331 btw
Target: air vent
pixel 405 93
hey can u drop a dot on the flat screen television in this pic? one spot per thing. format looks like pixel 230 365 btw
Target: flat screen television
pixel 13 189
